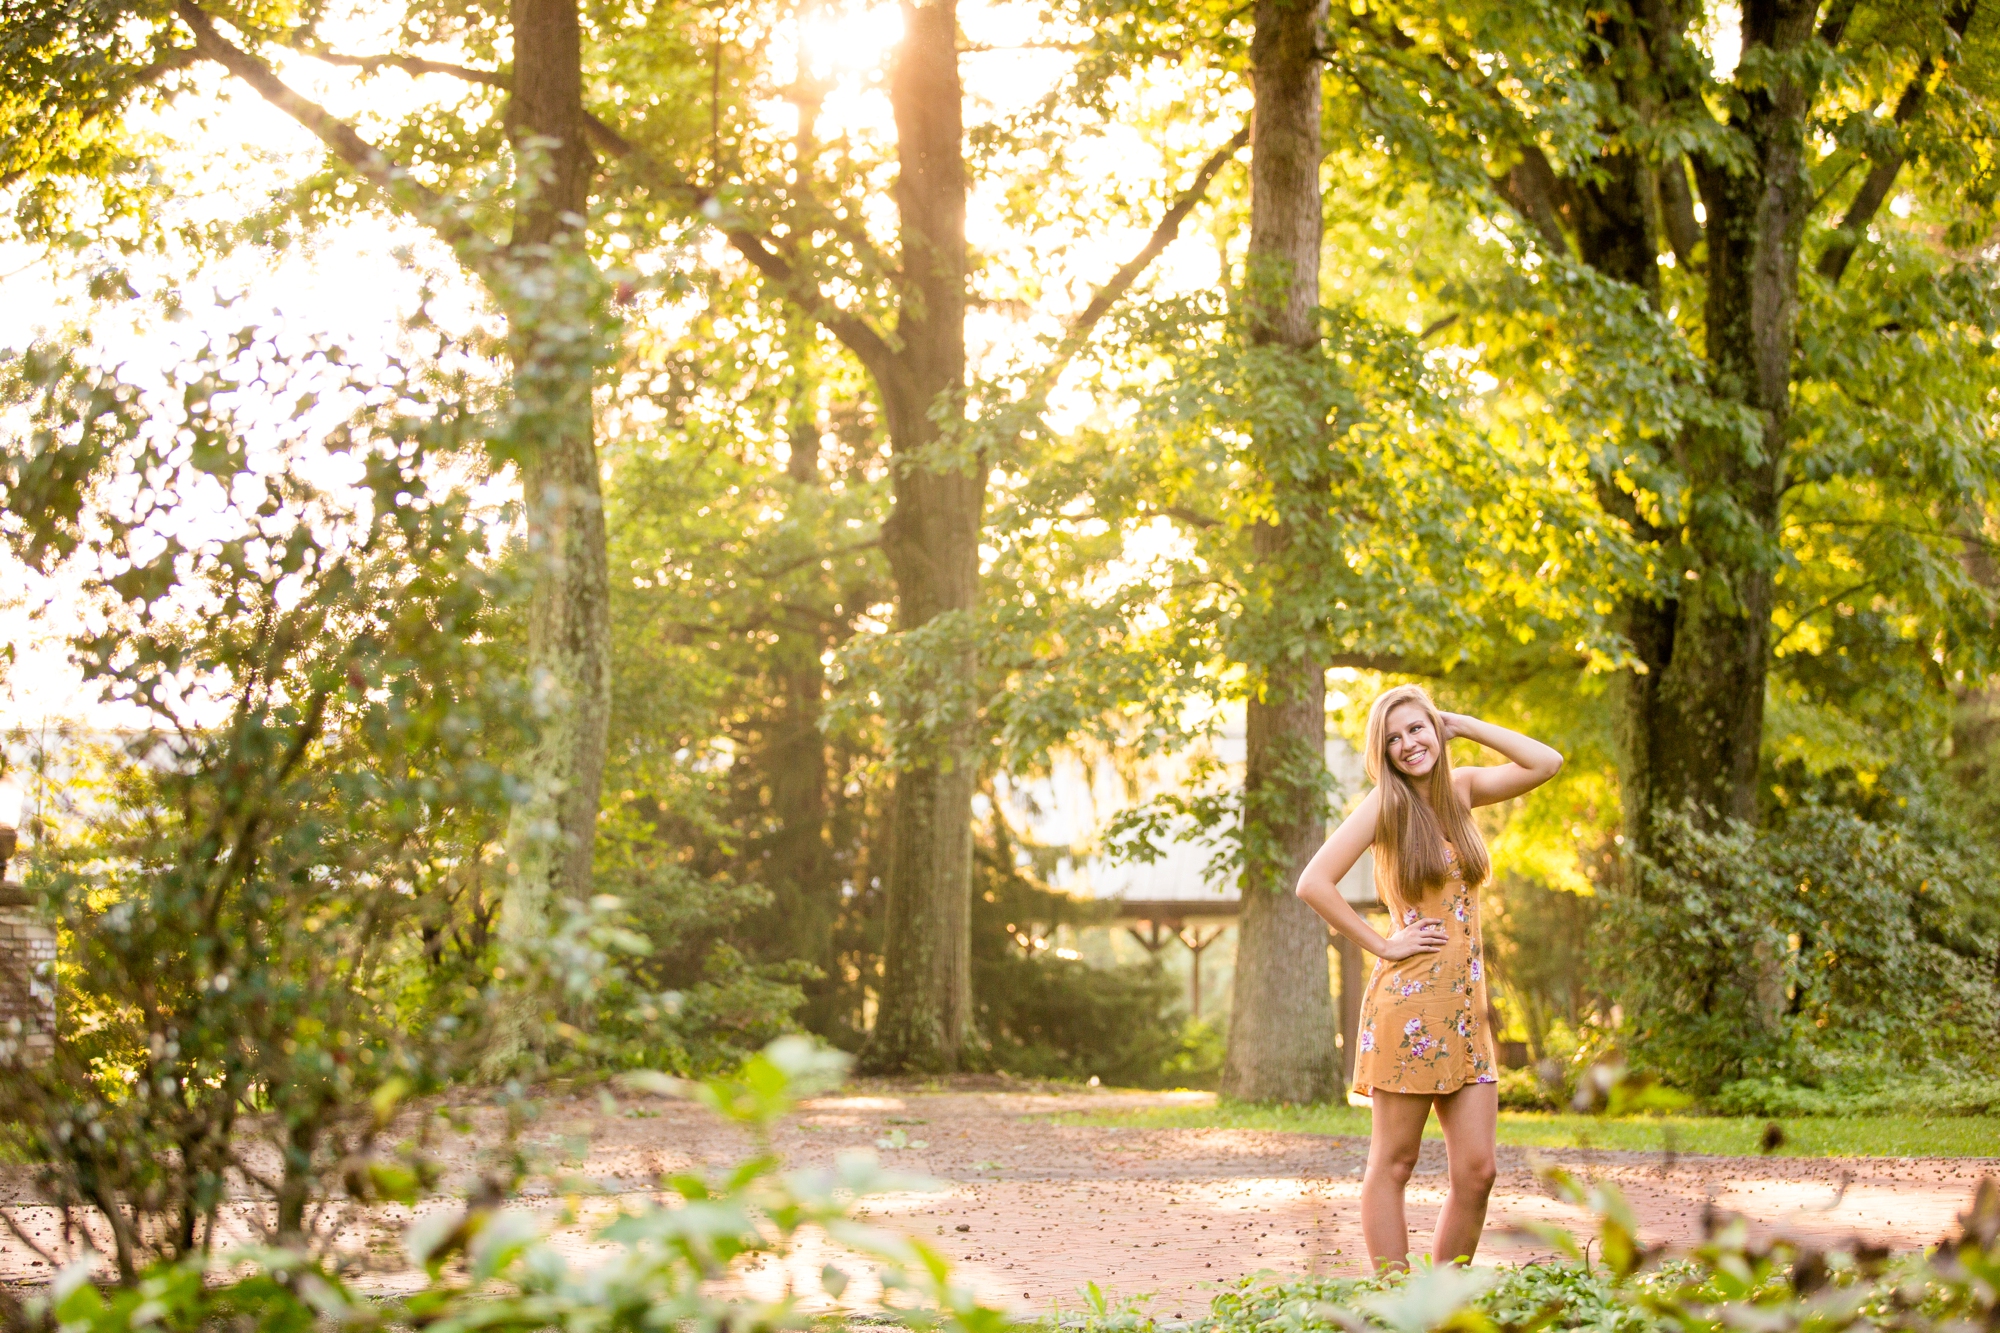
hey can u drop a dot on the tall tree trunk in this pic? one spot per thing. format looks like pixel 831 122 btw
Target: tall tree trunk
pixel 1282 1019
pixel 1617 232
pixel 797 864
pixel 556 332
pixel 797 869
pixel 295 1183
pixel 1706 728
pixel 1689 720
pixel 1282 1022
pixel 932 543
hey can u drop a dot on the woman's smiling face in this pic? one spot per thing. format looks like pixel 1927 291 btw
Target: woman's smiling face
pixel 1412 742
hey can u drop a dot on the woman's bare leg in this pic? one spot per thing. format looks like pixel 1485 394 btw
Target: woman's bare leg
pixel 1468 1118
pixel 1396 1135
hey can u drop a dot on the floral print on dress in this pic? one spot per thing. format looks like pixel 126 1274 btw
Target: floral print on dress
pixel 1423 1019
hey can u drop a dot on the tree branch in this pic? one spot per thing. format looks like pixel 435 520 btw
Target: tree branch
pixel 814 557
pixel 360 156
pixel 1438 325
pixel 1162 237
pixel 1834 26
pixel 1191 518
pixel 1532 187
pixel 414 65
pixel 860 337
pixel 1830 602
pixel 1881 179
pixel 1677 212
pixel 1078 333
pixel 610 141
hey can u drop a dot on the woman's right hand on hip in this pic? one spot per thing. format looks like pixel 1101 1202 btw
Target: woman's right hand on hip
pixel 1424 935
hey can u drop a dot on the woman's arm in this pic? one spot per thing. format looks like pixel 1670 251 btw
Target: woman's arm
pixel 1533 763
pixel 1319 886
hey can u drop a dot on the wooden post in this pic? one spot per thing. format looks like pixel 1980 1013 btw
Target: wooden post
pixel 1155 938
pixel 1196 943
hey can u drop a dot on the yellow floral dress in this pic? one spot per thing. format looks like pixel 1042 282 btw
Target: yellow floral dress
pixel 1423 1020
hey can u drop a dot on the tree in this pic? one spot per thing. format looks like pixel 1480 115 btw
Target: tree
pixel 909 335
pixel 1341 499
pixel 1687 217
pixel 744 502
pixel 1282 1025
pixel 81 69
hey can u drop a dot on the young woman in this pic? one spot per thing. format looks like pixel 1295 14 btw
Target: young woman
pixel 1424 1040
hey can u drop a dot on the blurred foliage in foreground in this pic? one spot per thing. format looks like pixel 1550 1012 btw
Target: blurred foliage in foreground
pixel 1618 1284
pixel 487 1268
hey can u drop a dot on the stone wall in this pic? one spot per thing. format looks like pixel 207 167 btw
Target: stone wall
pixel 27 971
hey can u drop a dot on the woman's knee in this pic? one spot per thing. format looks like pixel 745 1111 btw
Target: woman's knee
pixel 1395 1163
pixel 1475 1174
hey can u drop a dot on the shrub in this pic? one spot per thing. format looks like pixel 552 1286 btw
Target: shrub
pixel 1042 1016
pixel 688 1001
pixel 276 895
pixel 1527 1090
pixel 1045 1017
pixel 273 899
pixel 1791 953
pixel 1939 1091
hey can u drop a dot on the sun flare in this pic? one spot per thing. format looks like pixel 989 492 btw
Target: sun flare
pixel 850 40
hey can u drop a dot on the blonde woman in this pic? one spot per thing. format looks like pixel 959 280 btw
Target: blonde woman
pixel 1424 1041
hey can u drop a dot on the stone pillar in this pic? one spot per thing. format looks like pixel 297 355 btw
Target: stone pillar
pixel 27 970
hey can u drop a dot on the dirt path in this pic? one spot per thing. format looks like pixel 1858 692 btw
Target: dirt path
pixel 1032 1210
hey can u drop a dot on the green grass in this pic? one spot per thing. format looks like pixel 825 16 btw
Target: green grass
pixel 1817 1136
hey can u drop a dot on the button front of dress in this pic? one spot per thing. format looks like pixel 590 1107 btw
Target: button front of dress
pixel 1423 1020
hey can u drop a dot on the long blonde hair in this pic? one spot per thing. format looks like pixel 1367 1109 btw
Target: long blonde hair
pixel 1410 831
